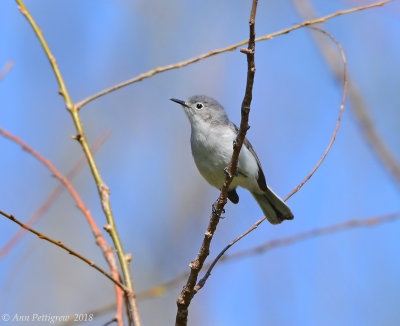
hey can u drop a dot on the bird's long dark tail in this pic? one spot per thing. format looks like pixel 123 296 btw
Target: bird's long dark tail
pixel 273 207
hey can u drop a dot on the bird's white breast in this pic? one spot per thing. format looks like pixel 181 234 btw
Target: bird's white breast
pixel 212 150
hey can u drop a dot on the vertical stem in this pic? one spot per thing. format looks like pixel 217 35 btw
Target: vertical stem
pixel 102 188
pixel 189 290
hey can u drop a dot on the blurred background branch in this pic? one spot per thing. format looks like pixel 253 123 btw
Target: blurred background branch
pixel 8 66
pixel 360 109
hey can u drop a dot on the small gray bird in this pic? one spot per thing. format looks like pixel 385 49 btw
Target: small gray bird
pixel 212 147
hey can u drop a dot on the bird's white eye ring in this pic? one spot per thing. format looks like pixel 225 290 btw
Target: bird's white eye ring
pixel 199 106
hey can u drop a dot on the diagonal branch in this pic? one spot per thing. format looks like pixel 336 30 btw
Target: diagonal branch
pixel 160 289
pixel 95 229
pixel 181 64
pixel 58 190
pixel 356 223
pixel 201 283
pixel 107 251
pixel 69 250
pixel 102 188
pixel 188 290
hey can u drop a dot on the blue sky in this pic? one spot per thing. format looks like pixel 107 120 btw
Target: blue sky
pixel 160 202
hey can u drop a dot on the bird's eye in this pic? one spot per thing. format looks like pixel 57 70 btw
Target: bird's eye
pixel 199 106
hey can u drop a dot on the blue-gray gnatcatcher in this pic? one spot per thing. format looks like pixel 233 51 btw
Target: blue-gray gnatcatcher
pixel 212 147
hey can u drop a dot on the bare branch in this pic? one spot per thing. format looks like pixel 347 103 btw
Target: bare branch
pixel 188 290
pixel 103 190
pixel 233 47
pixel 201 283
pixel 69 250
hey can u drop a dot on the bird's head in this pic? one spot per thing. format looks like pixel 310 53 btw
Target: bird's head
pixel 201 108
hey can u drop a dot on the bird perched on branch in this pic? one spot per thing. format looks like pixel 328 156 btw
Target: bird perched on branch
pixel 212 140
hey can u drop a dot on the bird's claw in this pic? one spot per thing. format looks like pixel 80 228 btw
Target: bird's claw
pixel 215 211
pixel 228 174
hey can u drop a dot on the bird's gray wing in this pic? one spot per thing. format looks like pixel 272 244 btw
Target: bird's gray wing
pixel 261 178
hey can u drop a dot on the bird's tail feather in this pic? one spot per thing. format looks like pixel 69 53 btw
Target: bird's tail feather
pixel 273 207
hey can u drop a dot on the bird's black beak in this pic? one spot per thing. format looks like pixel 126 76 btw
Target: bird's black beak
pixel 179 102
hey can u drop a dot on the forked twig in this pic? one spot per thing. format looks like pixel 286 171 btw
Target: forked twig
pixel 196 265
pixel 201 283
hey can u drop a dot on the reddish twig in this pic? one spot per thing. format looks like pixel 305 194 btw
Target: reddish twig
pixel 102 188
pixel 189 290
pixel 100 241
pixel 201 283
pixel 69 250
pixel 55 194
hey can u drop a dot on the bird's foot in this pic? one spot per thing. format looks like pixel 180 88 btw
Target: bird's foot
pixel 215 211
pixel 227 173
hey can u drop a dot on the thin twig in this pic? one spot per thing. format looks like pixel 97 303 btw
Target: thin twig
pixel 345 82
pixel 103 190
pixel 107 251
pixel 69 250
pixel 233 47
pixel 201 283
pixel 188 290
pixel 6 69
pixel 358 104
